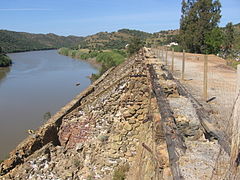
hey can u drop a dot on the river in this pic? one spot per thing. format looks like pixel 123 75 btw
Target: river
pixel 38 82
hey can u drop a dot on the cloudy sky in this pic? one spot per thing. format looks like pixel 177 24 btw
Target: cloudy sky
pixel 85 17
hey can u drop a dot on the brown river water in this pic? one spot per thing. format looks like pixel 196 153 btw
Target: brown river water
pixel 38 82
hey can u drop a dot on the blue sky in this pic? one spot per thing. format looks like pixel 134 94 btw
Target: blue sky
pixel 85 17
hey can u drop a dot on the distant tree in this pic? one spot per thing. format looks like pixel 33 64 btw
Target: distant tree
pixel 1 50
pixel 228 39
pixel 199 17
pixel 214 41
pixel 135 45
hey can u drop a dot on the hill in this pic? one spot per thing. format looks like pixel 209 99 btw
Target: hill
pixel 112 40
pixel 12 41
pixel 164 37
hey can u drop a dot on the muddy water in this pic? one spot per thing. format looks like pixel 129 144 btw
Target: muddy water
pixel 37 83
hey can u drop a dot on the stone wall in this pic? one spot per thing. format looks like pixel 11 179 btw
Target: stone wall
pixel 109 131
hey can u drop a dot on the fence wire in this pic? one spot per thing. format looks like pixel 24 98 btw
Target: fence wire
pixel 221 92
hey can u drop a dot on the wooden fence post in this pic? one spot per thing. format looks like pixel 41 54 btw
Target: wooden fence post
pixel 162 54
pixel 183 64
pixel 234 170
pixel 205 78
pixel 166 56
pixel 172 60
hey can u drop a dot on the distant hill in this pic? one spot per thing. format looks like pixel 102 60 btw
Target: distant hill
pixel 12 41
pixel 112 40
pixel 164 37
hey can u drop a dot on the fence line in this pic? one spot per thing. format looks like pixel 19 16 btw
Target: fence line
pixel 211 81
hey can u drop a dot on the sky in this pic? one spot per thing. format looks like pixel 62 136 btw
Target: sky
pixel 86 17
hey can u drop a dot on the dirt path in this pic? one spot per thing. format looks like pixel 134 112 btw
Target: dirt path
pixel 221 82
pixel 199 160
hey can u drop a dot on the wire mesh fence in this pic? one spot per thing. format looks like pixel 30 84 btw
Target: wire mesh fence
pixel 213 83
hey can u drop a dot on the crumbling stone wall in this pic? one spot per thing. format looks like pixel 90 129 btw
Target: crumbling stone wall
pixel 111 125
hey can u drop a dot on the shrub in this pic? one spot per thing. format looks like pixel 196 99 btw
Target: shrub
pixel 5 60
pixel 120 172
pixel 64 51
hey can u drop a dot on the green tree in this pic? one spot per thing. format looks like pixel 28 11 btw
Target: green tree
pixel 214 41
pixel 199 17
pixel 228 39
pixel 135 45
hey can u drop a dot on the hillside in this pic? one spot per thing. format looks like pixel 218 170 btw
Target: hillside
pixel 12 41
pixel 163 37
pixel 112 40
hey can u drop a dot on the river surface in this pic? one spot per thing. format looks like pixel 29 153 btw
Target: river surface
pixel 38 82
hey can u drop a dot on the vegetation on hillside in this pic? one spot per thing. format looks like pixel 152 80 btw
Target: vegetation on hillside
pixel 107 59
pixel 5 61
pixel 12 41
pixel 134 46
pixel 113 40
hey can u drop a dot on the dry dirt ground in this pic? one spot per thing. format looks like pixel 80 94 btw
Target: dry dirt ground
pixel 201 161
pixel 221 82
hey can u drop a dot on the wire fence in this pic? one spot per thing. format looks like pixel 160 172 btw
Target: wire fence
pixel 214 84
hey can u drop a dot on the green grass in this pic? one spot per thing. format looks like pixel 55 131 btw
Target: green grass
pixel 232 63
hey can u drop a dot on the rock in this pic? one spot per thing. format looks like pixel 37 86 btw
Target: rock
pixel 127 127
pixel 79 147
pixel 140 117
pixel 126 114
pixel 116 138
pixel 136 107
pixel 131 121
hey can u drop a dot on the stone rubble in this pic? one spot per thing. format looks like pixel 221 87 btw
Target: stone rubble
pixel 115 123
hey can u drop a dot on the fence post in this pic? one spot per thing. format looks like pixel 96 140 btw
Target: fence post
pixel 238 78
pixel 183 64
pixel 172 60
pixel 162 54
pixel 166 56
pixel 205 78
pixel 234 170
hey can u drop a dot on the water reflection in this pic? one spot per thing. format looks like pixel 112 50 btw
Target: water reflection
pixel 3 73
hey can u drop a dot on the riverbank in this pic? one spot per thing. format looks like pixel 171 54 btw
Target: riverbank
pixel 102 60
pixel 5 61
pixel 29 50
pixel 50 76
